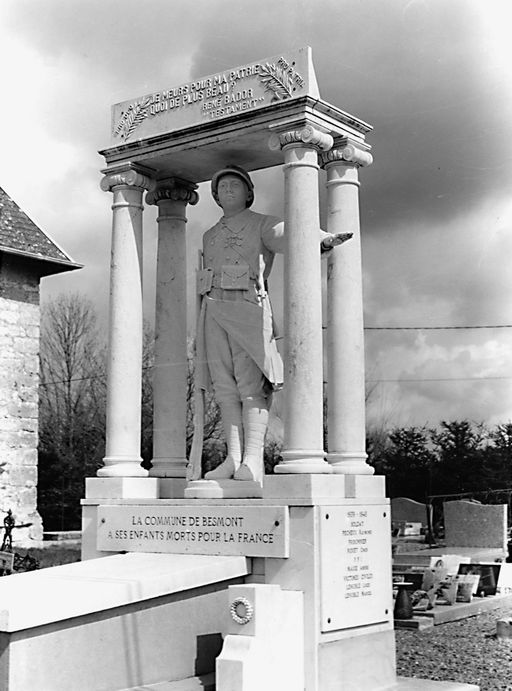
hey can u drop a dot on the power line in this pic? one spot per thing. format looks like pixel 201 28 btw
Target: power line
pixel 370 381
pixel 437 379
pixel 436 328
pixel 88 378
pixel 368 328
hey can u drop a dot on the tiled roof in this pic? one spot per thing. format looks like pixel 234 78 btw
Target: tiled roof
pixel 20 235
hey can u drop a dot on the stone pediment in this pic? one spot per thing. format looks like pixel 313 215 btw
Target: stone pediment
pixel 191 130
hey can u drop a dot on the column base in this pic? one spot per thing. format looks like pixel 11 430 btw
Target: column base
pixel 304 489
pixel 122 466
pixel 223 489
pixel 121 488
pixel 296 461
pixel 349 463
pixel 168 467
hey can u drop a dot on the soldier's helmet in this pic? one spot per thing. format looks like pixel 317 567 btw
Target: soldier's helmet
pixel 239 172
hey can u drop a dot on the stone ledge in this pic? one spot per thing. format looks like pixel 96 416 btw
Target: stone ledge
pixel 201 683
pixel 96 585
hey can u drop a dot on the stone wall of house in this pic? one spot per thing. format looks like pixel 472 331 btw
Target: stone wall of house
pixel 19 379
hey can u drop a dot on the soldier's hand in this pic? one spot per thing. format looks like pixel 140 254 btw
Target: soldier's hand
pixel 335 240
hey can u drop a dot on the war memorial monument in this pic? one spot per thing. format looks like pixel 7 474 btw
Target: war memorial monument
pixel 235 580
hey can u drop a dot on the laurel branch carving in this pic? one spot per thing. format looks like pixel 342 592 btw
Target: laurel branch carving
pixel 275 80
pixel 131 119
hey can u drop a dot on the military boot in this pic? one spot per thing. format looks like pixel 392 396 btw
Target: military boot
pixel 255 420
pixel 231 415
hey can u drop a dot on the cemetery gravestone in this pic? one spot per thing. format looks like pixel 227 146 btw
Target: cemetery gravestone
pixel 404 510
pixel 468 524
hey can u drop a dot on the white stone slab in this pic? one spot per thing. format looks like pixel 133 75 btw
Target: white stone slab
pixel 171 487
pixel 363 486
pixel 355 566
pixel 305 489
pixel 228 530
pixel 223 489
pixel 264 645
pixel 40 597
pixel 121 487
pixel 215 97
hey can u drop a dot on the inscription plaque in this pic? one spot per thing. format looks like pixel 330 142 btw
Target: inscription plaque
pixel 355 563
pixel 224 530
pixel 217 96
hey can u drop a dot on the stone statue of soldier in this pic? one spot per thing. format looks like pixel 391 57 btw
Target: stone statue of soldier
pixel 236 347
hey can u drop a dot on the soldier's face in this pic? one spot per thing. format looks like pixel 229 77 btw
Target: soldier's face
pixel 232 193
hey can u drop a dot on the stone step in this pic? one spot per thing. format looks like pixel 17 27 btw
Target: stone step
pixel 207 683
pixel 139 617
pixel 442 614
pixel 201 683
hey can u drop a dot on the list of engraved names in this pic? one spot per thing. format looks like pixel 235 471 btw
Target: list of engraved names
pixel 358 574
pixel 355 546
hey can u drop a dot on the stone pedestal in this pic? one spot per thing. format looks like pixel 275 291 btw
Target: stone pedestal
pixel 250 660
pixel 305 536
pixel 340 556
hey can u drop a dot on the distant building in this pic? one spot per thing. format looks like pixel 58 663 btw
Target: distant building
pixel 26 255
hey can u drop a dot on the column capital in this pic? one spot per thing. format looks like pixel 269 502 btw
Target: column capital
pixel 173 189
pixel 345 151
pixel 306 135
pixel 129 177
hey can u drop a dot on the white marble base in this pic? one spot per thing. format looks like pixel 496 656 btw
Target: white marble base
pixel 223 489
pixel 361 486
pixel 304 489
pixel 115 622
pixel 121 488
pixel 171 487
pixel 314 488
pixel 264 649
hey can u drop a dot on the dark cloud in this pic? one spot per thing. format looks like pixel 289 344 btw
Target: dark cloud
pixel 422 72
pixel 418 71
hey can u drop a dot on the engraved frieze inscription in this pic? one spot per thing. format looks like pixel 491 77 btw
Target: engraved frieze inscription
pixel 215 96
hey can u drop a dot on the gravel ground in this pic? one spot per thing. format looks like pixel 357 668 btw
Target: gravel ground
pixel 465 651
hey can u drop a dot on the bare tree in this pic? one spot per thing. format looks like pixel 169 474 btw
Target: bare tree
pixel 71 406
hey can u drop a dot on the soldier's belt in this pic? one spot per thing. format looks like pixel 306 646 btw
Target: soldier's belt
pixel 230 277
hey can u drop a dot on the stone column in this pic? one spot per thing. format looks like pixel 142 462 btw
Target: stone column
pixel 124 367
pixel 345 334
pixel 171 366
pixel 303 419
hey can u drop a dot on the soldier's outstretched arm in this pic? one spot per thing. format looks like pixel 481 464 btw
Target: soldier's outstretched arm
pixel 334 240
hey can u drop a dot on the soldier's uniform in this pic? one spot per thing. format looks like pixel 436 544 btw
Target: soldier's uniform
pixel 236 344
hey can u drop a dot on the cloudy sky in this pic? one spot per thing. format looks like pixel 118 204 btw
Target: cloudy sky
pixel 433 77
